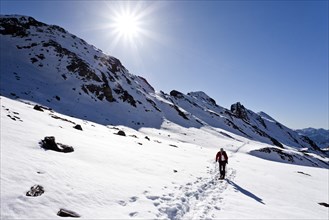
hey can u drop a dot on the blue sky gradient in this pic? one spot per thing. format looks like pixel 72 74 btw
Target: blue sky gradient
pixel 272 56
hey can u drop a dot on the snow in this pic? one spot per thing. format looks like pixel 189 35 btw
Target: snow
pixel 115 177
pixel 162 169
pixel 49 81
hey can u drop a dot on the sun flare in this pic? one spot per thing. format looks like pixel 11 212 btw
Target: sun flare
pixel 127 25
pixel 130 24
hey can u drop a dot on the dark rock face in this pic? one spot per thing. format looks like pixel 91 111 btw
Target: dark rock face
pixel 67 213
pixel 125 96
pixel 306 174
pixel 180 113
pixel 38 108
pixel 35 190
pixel 212 101
pixel 65 148
pixel 18 27
pixel 308 140
pixel 283 155
pixel 41 108
pixel 121 133
pixel 324 204
pixel 48 143
pixel 239 111
pixel 153 104
pixel 277 154
pixel 80 67
pixel 113 64
pixel 176 94
pixel 78 127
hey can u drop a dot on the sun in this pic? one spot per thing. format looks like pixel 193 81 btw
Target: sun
pixel 127 25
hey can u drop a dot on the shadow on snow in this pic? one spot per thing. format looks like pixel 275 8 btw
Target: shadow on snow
pixel 245 192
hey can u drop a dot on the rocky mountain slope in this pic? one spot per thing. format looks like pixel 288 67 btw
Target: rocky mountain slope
pixel 319 136
pixel 49 66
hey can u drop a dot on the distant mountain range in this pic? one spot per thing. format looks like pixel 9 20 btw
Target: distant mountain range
pixel 319 136
pixel 49 66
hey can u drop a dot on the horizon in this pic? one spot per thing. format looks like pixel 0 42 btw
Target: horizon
pixel 270 56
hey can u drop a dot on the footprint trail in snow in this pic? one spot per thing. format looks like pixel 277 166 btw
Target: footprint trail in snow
pixel 196 200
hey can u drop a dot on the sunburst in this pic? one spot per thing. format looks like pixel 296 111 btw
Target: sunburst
pixel 127 25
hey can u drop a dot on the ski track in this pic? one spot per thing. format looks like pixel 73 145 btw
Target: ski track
pixel 196 200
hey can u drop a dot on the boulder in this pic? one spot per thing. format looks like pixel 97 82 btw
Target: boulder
pixel 78 127
pixel 121 133
pixel 67 213
pixel 65 148
pixel 38 108
pixel 48 143
pixel 324 204
pixel 35 190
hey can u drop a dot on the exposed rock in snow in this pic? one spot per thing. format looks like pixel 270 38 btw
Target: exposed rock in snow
pixel 35 190
pixel 240 111
pixel 67 213
pixel 48 143
pixel 38 108
pixel 78 127
pixel 121 133
pixel 284 155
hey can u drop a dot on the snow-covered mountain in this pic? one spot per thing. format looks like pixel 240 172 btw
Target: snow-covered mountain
pixel 136 152
pixel 48 65
pixel 319 136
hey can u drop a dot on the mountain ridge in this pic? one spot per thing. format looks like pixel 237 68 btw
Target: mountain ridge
pixel 59 70
pixel 320 136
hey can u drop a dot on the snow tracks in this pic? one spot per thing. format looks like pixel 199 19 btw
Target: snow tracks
pixel 196 200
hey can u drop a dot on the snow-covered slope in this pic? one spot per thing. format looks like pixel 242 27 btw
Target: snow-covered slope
pixel 51 81
pixel 48 65
pixel 166 173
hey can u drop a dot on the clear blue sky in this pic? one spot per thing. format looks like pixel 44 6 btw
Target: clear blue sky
pixel 272 56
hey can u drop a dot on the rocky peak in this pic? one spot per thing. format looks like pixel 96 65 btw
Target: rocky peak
pixel 239 111
pixel 176 94
pixel 203 97
pixel 20 26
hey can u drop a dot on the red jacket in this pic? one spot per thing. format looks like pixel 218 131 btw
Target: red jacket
pixel 219 156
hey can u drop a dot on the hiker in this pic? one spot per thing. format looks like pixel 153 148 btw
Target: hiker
pixel 222 159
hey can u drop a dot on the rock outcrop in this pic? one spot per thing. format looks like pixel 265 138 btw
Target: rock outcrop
pixel 48 143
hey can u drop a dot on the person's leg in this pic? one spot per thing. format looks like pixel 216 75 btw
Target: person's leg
pixel 224 171
pixel 221 168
